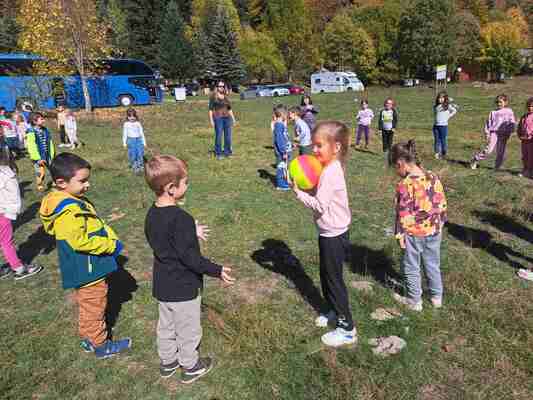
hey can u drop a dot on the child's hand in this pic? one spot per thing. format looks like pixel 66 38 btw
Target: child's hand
pixel 401 242
pixel 226 277
pixel 202 231
pixel 41 163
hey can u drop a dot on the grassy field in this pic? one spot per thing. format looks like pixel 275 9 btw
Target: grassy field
pixel 261 330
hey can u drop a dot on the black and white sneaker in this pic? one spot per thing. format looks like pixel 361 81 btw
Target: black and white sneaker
pixel 5 271
pixel 26 271
pixel 168 370
pixel 202 367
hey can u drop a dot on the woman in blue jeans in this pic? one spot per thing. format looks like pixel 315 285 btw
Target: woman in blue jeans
pixel 222 119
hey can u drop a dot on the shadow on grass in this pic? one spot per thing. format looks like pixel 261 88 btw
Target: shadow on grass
pixel 277 257
pixel 264 174
pixel 27 215
pixel 39 242
pixel 121 287
pixel 505 224
pixel 480 239
pixel 23 188
pixel 463 163
pixel 376 263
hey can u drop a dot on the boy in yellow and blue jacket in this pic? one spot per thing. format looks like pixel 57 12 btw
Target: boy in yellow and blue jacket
pixel 87 250
pixel 40 147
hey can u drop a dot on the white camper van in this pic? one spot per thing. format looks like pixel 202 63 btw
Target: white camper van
pixel 334 82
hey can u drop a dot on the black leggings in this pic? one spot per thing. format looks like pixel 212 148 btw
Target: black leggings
pixel 387 137
pixel 332 256
pixel 63 135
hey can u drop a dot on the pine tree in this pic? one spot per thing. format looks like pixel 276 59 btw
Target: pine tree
pixel 224 59
pixel 118 24
pixel 175 51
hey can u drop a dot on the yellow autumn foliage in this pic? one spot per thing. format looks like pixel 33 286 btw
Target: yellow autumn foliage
pixel 66 33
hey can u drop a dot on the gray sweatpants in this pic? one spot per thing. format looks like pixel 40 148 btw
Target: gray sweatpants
pixel 179 332
pixel 426 251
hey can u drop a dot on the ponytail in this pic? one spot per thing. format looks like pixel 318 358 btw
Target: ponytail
pixel 406 152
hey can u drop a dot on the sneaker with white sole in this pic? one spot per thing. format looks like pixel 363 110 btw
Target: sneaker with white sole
pixel 340 337
pixel 5 271
pixel 473 164
pixel 168 370
pixel 202 367
pixel 436 301
pixel 410 304
pixel 437 156
pixel 323 320
pixel 87 346
pixel 26 271
pixel 111 348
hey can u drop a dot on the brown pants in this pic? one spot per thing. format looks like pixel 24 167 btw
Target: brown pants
pixel 92 301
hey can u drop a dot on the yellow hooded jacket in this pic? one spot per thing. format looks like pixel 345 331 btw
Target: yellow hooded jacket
pixel 86 246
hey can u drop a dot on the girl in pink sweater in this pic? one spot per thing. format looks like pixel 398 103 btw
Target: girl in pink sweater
pixel 498 128
pixel 332 216
pixel 525 133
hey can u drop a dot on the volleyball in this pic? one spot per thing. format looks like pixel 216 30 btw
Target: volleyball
pixel 305 171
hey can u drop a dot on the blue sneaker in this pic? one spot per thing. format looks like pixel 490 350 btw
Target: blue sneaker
pixel 112 347
pixel 87 346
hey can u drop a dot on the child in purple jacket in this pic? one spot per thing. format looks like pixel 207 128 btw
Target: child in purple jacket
pixel 498 128
pixel 364 119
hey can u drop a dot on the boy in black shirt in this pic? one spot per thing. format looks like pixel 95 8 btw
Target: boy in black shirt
pixel 178 268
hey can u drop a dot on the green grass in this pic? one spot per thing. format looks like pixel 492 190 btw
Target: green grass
pixel 260 331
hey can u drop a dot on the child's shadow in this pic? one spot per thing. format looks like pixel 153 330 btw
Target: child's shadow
pixel 364 261
pixel 477 238
pixel 264 174
pixel 505 224
pixel 39 242
pixel 121 287
pixel 277 257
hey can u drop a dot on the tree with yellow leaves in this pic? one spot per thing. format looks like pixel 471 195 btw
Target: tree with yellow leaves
pixel 500 43
pixel 67 34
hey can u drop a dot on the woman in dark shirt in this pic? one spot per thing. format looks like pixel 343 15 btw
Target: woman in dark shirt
pixel 222 119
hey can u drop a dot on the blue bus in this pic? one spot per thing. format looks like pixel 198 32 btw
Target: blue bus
pixel 118 82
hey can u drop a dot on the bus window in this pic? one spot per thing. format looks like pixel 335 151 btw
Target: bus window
pixel 126 67
pixel 14 67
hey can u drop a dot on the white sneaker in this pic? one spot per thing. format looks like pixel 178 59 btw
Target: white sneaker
pixel 525 274
pixel 340 337
pixel 408 302
pixel 437 156
pixel 323 320
pixel 473 164
pixel 436 301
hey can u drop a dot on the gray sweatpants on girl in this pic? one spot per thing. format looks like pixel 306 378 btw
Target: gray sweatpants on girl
pixel 179 332
pixel 424 250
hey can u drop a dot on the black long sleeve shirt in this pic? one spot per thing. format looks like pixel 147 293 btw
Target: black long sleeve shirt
pixel 178 262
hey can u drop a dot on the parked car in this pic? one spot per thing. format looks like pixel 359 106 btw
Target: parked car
pixel 293 89
pixel 278 90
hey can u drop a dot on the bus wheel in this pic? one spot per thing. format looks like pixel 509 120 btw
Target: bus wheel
pixel 125 100
pixel 25 104
pixel 349 88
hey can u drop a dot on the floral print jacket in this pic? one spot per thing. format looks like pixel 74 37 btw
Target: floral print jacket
pixel 420 205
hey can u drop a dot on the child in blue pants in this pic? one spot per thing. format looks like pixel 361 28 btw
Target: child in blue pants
pixel 133 138
pixel 282 146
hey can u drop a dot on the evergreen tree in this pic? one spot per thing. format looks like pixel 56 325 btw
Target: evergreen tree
pixel 223 58
pixel 118 25
pixel 9 32
pixel 143 19
pixel 175 51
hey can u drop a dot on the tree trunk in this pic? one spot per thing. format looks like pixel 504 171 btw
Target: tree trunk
pixel 86 96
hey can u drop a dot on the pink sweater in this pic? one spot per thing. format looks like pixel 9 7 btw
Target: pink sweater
pixel 500 122
pixel 330 204
pixel 525 127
